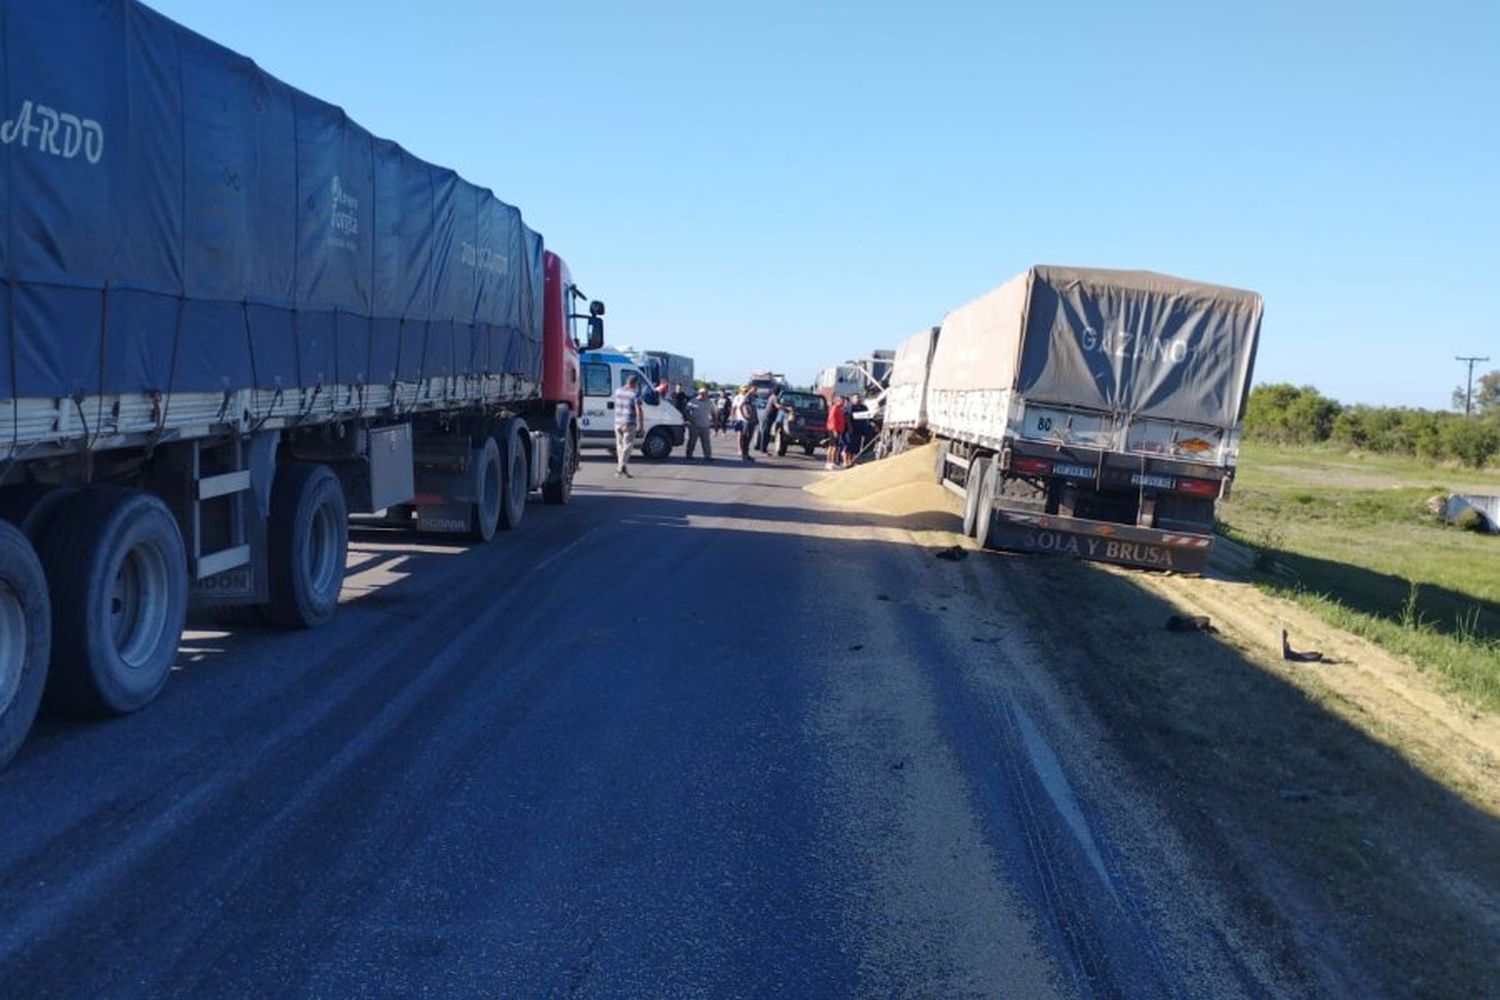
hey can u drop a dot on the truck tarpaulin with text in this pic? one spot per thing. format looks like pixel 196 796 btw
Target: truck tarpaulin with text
pixel 1094 413
pixel 229 317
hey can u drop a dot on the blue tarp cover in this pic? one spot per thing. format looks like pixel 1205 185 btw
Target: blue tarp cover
pixel 178 220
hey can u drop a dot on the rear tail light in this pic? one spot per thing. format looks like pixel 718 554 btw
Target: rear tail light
pixel 1030 466
pixel 1198 487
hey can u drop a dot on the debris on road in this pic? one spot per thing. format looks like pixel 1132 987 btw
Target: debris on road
pixel 1190 623
pixel 952 553
pixel 1310 656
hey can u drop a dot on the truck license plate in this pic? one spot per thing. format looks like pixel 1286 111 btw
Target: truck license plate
pixel 1146 479
pixel 1073 471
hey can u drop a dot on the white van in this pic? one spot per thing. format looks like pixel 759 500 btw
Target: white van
pixel 604 372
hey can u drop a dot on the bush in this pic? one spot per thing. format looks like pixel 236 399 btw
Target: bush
pixel 1472 442
pixel 1287 414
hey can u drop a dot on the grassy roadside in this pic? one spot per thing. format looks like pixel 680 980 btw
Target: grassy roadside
pixel 1376 878
pixel 1363 553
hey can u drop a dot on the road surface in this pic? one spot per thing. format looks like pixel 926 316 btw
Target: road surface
pixel 698 733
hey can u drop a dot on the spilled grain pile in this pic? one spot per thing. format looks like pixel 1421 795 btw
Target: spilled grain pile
pixel 902 486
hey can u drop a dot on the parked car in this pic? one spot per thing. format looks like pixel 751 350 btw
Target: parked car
pixel 804 422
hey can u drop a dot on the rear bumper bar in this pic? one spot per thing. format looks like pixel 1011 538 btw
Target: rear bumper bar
pixel 1102 541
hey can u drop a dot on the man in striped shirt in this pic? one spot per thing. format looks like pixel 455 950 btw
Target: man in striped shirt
pixel 629 415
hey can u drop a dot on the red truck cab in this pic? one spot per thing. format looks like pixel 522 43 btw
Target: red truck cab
pixel 560 345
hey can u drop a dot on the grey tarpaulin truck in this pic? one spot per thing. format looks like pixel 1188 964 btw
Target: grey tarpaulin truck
pixel 229 317
pixel 1093 413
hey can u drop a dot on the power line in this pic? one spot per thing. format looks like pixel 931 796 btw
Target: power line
pixel 1469 391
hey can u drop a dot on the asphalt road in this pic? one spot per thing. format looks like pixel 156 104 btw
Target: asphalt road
pixel 695 734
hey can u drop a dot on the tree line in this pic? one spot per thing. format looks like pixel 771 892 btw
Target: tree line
pixel 1288 414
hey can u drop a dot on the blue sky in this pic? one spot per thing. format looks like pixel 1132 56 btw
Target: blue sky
pixel 787 184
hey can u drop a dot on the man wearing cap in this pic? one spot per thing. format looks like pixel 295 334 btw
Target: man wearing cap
pixel 700 420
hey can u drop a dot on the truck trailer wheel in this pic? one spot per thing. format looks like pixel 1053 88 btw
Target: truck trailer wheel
pixel 30 506
pixel 971 494
pixel 658 445
pixel 307 539
pixel 118 583
pixel 984 514
pixel 517 473
pixel 489 484
pixel 561 491
pixel 25 638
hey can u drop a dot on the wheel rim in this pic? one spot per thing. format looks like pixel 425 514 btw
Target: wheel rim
pixel 138 605
pixel 13 642
pixel 322 550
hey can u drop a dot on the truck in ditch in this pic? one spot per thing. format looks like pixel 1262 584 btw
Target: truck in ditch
pixel 229 317
pixel 1091 413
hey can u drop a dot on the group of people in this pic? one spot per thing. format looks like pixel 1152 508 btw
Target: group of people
pixel 849 431
pixel 752 424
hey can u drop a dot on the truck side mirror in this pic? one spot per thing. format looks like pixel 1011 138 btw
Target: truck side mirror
pixel 596 308
pixel 596 332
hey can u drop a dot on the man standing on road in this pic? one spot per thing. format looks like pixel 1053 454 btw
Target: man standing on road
pixel 628 416
pixel 767 421
pixel 837 424
pixel 747 415
pixel 700 414
pixel 680 399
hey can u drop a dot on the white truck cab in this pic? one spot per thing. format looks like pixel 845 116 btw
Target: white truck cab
pixel 603 372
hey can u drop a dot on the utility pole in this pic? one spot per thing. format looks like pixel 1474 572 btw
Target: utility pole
pixel 1469 391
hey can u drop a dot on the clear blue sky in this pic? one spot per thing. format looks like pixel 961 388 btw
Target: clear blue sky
pixel 786 184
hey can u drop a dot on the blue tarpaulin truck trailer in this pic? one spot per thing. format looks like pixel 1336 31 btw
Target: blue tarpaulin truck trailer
pixel 228 317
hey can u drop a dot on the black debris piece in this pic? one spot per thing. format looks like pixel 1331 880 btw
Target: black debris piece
pixel 1190 623
pixel 1309 656
pixel 953 553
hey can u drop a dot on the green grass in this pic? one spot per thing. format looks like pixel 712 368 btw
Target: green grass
pixel 1365 555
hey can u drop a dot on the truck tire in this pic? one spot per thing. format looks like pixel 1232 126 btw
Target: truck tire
pixel 25 638
pixel 513 458
pixel 984 515
pixel 807 449
pixel 28 507
pixel 658 444
pixel 307 540
pixel 489 491
pixel 561 490
pixel 118 583
pixel 971 494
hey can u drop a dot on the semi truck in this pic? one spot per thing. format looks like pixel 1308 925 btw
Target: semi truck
pixel 662 366
pixel 230 317
pixel 1088 412
pixel 903 405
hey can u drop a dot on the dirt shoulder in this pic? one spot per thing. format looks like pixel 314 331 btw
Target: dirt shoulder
pixel 1352 807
